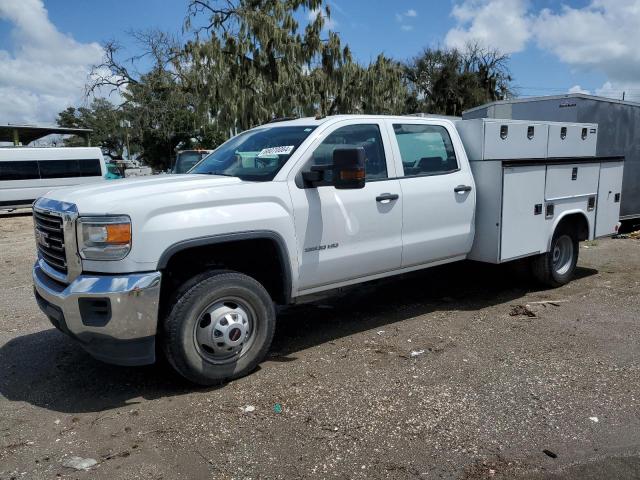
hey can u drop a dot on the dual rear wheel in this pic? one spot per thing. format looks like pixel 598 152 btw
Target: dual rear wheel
pixel 557 267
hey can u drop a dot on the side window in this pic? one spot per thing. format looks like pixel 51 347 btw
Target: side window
pixel 90 168
pixel 15 170
pixel 59 168
pixel 425 149
pixel 366 136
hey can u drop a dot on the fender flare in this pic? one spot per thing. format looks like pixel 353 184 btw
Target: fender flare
pixel 562 217
pixel 283 257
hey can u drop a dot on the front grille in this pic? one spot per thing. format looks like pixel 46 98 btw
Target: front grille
pixel 50 240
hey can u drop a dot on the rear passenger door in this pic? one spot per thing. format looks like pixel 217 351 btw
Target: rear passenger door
pixel 437 191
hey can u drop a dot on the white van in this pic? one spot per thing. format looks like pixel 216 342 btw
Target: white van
pixel 28 173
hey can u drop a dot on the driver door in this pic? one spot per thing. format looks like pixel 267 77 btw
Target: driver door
pixel 343 235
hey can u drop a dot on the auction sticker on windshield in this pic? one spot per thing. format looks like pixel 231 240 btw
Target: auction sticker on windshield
pixel 285 150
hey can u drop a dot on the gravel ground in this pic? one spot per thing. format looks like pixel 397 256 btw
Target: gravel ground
pixel 497 379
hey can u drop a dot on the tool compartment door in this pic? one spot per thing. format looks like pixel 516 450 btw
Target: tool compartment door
pixel 523 223
pixel 572 180
pixel 510 140
pixel 609 190
pixel 572 140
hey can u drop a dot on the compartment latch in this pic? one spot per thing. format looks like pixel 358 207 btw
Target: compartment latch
pixel 550 210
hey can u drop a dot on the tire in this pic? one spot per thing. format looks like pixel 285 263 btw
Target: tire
pixel 219 328
pixel 557 267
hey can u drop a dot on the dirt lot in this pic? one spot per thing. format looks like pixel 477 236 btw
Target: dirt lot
pixel 497 384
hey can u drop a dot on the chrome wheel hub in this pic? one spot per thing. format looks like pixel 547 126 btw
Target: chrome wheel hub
pixel 223 331
pixel 562 255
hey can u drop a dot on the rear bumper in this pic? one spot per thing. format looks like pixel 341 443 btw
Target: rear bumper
pixel 114 318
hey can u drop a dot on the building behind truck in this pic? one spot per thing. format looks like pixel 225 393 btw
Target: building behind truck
pixel 618 131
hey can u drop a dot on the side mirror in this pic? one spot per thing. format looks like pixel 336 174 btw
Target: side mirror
pixel 315 175
pixel 349 168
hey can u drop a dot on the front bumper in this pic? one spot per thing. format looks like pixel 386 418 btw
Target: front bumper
pixel 113 317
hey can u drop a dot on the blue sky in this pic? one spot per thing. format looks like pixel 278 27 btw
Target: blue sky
pixel 554 46
pixel 368 26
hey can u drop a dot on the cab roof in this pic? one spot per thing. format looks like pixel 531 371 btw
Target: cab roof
pixel 316 121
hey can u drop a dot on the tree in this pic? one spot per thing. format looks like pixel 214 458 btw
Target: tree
pixel 106 121
pixel 491 71
pixel 339 85
pixel 449 81
pixel 255 63
pixel 248 61
pixel 249 58
pixel 162 112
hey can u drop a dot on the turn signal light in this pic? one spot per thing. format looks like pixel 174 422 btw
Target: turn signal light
pixel 118 233
pixel 352 175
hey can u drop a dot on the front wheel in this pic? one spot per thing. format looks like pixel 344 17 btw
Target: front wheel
pixel 557 267
pixel 219 328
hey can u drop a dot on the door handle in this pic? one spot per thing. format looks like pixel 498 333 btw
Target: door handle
pixel 462 189
pixel 387 197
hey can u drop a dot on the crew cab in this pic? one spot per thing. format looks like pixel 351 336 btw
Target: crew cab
pixel 195 264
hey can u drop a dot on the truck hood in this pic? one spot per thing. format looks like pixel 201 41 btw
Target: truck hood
pixel 117 196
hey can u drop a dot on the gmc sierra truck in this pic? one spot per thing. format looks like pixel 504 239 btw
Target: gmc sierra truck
pixel 195 264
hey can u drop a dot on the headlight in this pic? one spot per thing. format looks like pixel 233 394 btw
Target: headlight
pixel 104 238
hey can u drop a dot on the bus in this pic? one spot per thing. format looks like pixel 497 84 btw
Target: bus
pixel 27 173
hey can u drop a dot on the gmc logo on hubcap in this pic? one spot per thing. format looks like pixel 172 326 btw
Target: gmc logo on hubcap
pixel 234 335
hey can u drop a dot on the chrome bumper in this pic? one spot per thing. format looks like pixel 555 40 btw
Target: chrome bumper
pixel 124 333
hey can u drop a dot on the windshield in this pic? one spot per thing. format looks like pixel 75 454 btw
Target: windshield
pixel 255 155
pixel 187 160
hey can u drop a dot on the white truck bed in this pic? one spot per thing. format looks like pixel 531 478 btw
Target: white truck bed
pixel 528 176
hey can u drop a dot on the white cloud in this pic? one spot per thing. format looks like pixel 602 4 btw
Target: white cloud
pixel 603 37
pixel 620 90
pixel 411 13
pixel 604 32
pixel 607 90
pixel 501 24
pixel 579 89
pixel 329 23
pixel 46 71
pixel 335 6
pixel 402 17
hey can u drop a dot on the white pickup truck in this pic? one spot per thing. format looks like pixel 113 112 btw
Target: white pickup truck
pixel 196 263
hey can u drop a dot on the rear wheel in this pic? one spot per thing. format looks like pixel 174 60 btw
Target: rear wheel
pixel 557 267
pixel 219 328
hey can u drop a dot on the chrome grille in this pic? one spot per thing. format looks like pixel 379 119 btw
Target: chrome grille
pixel 50 240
